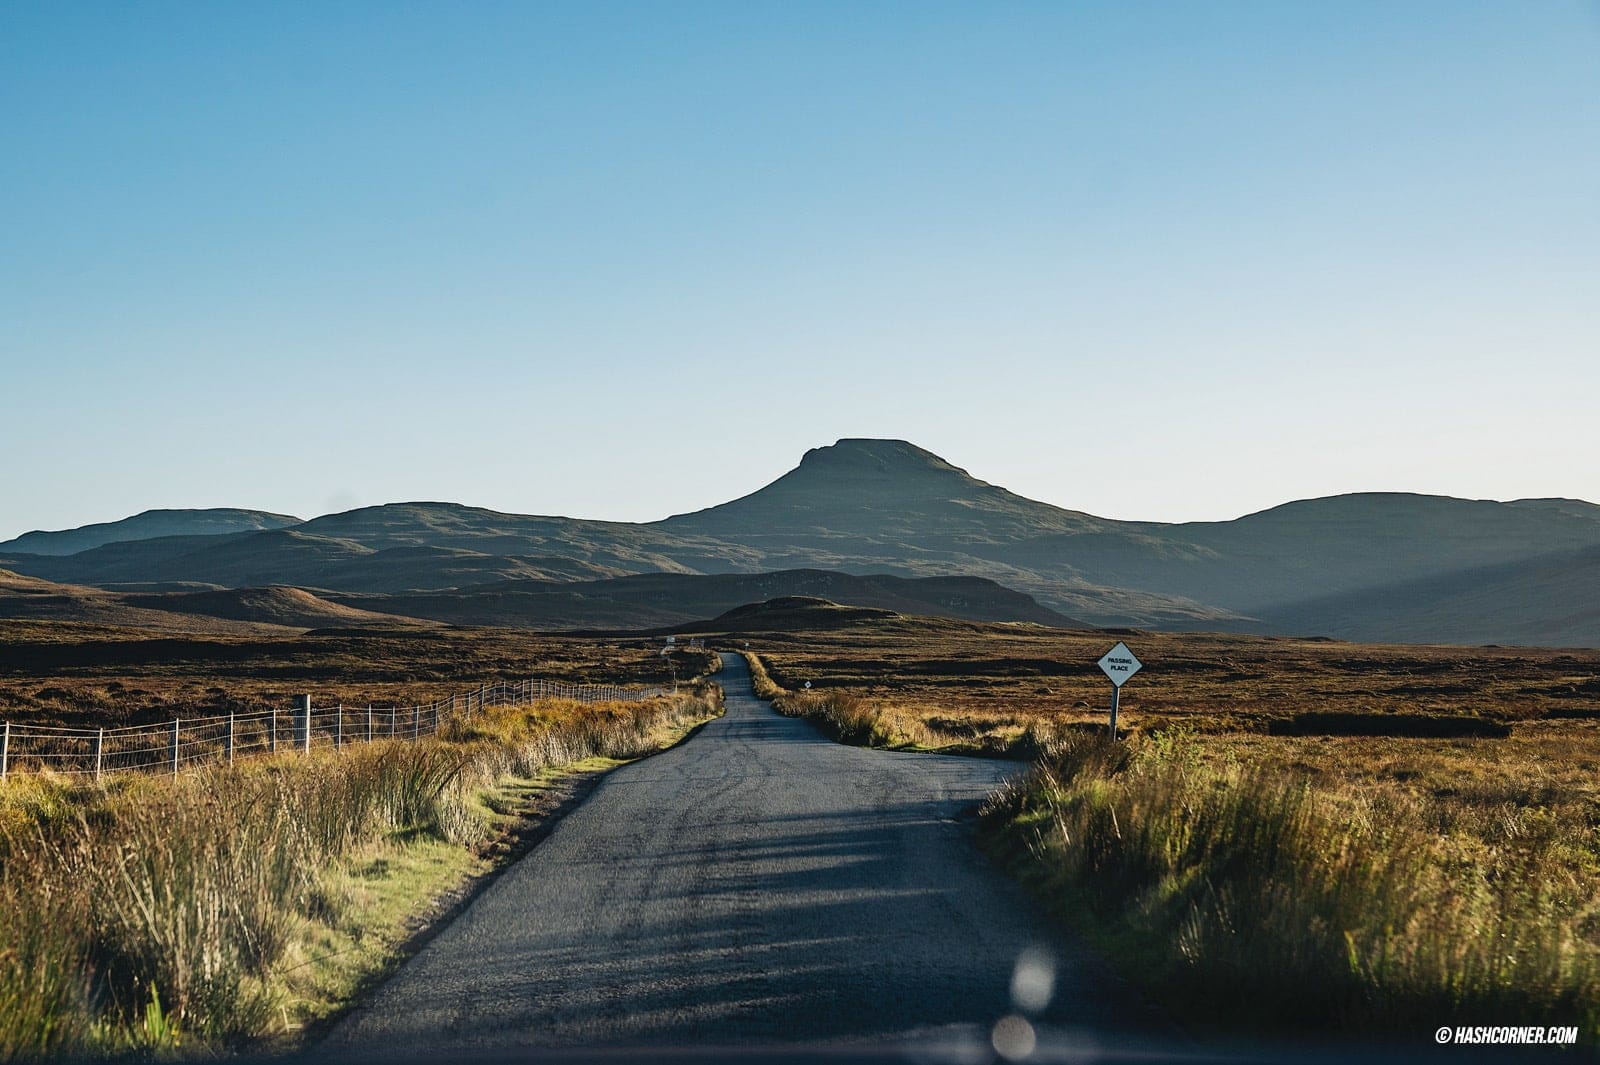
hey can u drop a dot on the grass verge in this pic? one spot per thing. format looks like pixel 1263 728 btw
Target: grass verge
pixel 1247 900
pixel 863 722
pixel 232 907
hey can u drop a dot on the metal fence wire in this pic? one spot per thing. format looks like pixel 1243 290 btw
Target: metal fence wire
pixel 172 745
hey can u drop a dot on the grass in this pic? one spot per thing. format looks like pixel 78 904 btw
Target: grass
pixel 1293 836
pixel 1246 898
pixel 227 907
pixel 853 719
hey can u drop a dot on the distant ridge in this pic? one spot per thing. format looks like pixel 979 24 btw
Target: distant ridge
pixel 147 526
pixel 1385 565
pixel 794 612
pixel 649 600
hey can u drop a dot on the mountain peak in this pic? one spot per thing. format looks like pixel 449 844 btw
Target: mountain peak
pixel 865 454
pixel 860 492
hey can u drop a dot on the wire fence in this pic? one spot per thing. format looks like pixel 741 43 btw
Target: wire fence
pixel 172 745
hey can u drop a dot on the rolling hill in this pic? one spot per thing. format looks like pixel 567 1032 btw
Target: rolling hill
pixel 245 610
pixel 146 526
pixel 655 600
pixel 1371 566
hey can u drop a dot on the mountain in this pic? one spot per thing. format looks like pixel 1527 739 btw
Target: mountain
pixel 1550 601
pixel 656 600
pixel 1361 565
pixel 147 526
pixel 890 506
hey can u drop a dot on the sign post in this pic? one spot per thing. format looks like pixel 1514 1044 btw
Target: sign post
pixel 1119 664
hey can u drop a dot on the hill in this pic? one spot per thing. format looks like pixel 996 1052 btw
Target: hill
pixel 1549 601
pixel 664 599
pixel 795 612
pixel 1352 563
pixel 146 526
pixel 235 611
pixel 286 607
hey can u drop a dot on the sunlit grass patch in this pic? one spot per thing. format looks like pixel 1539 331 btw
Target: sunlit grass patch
pixel 224 906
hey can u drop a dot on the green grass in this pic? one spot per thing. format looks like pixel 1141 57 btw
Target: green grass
pixel 228 906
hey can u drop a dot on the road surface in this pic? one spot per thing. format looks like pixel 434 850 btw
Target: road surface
pixel 757 885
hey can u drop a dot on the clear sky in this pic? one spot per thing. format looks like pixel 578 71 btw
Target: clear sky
pixel 1161 261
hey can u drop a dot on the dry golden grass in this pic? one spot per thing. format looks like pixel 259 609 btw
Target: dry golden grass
pixel 1257 838
pixel 148 915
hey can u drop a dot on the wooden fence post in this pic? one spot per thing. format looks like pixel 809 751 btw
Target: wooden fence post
pixel 230 737
pixel 272 735
pixel 99 751
pixel 177 726
pixel 416 723
pixel 369 722
pixel 305 724
pixel 5 751
pixel 338 729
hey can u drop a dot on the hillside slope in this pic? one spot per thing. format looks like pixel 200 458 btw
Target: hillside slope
pixel 146 526
pixel 664 599
pixel 1550 601
pixel 886 507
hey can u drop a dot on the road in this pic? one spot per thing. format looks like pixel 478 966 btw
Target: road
pixel 756 885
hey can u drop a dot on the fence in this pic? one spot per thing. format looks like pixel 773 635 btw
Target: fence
pixel 171 745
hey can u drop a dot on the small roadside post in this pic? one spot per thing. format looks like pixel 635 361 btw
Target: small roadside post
pixel 1120 665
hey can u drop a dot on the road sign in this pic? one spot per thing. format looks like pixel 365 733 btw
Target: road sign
pixel 1120 664
pixel 808 685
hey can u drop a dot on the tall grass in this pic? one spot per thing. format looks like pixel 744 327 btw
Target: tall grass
pixel 863 722
pixel 157 911
pixel 1251 898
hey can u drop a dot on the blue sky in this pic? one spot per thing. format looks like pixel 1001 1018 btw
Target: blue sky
pixel 1163 261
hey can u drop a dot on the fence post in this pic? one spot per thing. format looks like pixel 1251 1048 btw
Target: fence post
pixel 99 751
pixel 416 723
pixel 5 751
pixel 177 726
pixel 272 735
pixel 338 730
pixel 305 724
pixel 369 722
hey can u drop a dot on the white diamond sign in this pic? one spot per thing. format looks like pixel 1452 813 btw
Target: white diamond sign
pixel 1119 664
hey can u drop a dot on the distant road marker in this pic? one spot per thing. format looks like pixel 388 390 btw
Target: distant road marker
pixel 1120 664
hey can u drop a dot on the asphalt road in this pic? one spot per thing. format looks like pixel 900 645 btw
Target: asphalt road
pixel 758 885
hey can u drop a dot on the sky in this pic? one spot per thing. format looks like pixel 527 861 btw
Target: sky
pixel 621 260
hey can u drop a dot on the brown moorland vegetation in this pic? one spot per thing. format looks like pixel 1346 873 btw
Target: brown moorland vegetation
pixel 77 674
pixel 1305 834
pixel 146 914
